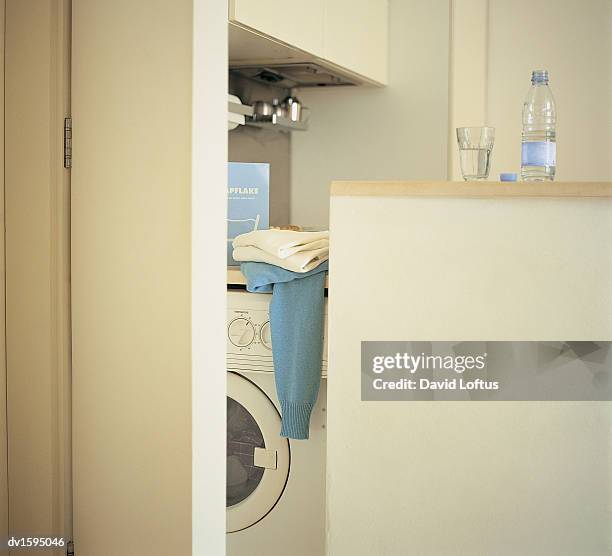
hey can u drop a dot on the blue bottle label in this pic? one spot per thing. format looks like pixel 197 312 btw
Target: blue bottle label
pixel 539 153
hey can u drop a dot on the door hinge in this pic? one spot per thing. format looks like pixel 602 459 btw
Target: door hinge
pixel 70 548
pixel 67 142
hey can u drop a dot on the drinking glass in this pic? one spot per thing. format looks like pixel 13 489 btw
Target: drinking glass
pixel 475 146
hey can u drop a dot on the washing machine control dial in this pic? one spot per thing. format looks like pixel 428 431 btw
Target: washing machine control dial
pixel 241 332
pixel 266 335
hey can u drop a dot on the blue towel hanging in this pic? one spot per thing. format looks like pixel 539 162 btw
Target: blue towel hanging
pixel 296 324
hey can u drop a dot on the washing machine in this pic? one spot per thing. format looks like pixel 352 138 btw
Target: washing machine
pixel 275 498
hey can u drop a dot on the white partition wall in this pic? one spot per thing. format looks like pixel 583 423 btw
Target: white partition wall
pixel 438 478
pixel 149 200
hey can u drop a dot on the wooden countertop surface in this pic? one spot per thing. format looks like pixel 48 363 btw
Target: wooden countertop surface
pixel 473 189
pixel 235 277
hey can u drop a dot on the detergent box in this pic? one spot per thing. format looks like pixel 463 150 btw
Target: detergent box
pixel 248 198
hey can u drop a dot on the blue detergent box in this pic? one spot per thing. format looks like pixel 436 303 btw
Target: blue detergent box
pixel 248 200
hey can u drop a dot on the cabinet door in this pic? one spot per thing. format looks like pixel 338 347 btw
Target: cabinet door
pixel 297 23
pixel 356 36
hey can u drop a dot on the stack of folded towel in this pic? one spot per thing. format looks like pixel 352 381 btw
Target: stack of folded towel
pixel 288 249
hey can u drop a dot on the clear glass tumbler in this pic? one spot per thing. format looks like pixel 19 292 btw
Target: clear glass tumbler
pixel 475 146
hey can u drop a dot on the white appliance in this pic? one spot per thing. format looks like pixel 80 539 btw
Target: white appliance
pixel 275 486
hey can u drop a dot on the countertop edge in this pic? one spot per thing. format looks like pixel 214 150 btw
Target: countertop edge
pixel 235 277
pixel 469 189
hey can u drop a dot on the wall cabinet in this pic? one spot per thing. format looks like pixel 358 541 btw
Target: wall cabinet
pixel 294 22
pixel 356 36
pixel 348 34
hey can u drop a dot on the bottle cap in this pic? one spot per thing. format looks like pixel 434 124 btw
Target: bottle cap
pixel 507 176
pixel 539 76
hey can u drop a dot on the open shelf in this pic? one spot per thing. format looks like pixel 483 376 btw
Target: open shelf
pixel 277 123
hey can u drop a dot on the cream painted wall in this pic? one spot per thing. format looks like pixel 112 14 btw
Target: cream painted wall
pixel 131 276
pixel 469 35
pixel 570 38
pixel 444 478
pixel 396 132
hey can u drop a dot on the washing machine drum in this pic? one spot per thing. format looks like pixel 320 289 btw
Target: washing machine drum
pixel 257 457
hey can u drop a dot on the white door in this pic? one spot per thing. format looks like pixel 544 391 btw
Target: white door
pixel 257 456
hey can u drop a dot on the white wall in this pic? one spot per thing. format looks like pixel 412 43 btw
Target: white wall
pixel 397 132
pixel 570 38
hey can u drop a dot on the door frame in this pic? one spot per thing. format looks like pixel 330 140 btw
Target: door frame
pixel 4 502
pixel 209 165
pixel 209 274
pixel 37 268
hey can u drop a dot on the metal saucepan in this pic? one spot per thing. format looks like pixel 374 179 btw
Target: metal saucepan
pixel 294 108
pixel 262 111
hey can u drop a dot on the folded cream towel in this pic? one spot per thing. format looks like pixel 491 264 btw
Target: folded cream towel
pixel 302 261
pixel 283 243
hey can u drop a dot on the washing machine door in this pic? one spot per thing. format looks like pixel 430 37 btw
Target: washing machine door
pixel 257 456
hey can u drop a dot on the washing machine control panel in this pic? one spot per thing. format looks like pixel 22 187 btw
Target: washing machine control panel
pixel 249 337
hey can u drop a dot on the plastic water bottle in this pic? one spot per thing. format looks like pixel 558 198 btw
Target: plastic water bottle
pixel 539 149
